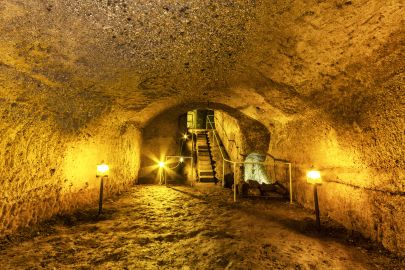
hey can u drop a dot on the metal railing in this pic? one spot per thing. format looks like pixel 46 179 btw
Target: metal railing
pixel 209 123
pixel 289 164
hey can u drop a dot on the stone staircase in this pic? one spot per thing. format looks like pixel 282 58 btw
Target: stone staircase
pixel 205 168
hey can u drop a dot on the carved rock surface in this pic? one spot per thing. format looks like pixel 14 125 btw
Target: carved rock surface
pixel 79 80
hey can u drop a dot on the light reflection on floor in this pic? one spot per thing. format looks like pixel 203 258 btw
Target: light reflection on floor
pixel 155 227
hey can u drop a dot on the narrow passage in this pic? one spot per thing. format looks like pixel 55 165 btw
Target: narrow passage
pixel 155 227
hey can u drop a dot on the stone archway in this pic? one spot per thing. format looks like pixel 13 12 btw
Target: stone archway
pixel 161 133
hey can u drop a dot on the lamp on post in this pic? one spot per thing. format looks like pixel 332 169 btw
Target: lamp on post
pixel 314 177
pixel 102 171
pixel 162 177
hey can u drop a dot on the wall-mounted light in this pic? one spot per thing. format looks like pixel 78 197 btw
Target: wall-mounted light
pixel 161 164
pixel 102 171
pixel 181 159
pixel 314 177
pixel 185 136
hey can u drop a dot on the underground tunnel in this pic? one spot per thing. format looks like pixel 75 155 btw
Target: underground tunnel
pixel 248 134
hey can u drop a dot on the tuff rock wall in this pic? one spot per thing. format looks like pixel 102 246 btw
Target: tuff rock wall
pixel 161 136
pixel 325 78
pixel 361 164
pixel 50 148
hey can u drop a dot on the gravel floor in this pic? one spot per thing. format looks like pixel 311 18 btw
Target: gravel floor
pixel 156 227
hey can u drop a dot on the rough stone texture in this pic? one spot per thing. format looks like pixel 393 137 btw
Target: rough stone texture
pixel 161 137
pixel 362 197
pixel 45 170
pixel 241 135
pixel 203 225
pixel 324 77
pixel 162 134
pixel 50 149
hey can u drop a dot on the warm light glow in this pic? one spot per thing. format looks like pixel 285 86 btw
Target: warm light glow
pixel 102 169
pixel 185 136
pixel 181 159
pixel 161 164
pixel 314 177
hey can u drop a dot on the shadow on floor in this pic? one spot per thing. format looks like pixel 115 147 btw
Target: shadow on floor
pixel 302 222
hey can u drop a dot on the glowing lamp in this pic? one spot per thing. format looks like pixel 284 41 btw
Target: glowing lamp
pixel 102 170
pixel 185 136
pixel 314 177
pixel 161 164
pixel 181 159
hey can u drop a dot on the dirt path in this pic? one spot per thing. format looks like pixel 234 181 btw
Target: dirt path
pixel 154 227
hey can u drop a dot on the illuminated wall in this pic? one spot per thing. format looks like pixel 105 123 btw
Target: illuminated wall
pixel 162 135
pixel 324 78
pixel 240 136
pixel 362 196
pixel 45 171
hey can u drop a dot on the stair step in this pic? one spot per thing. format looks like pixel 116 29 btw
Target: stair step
pixel 203 146
pixel 205 171
pixel 205 166
pixel 207 179
pixel 206 175
pixel 204 163
pixel 211 174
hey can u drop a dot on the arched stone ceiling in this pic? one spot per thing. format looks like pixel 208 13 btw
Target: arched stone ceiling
pixel 80 78
pixel 294 54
